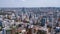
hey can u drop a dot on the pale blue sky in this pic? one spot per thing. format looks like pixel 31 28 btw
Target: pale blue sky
pixel 30 3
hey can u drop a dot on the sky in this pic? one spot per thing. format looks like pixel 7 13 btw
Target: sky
pixel 29 3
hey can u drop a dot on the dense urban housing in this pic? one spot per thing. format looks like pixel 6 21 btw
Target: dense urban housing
pixel 43 20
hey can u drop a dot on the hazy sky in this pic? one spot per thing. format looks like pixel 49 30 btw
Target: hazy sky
pixel 29 3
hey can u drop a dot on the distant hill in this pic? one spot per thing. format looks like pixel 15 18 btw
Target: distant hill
pixel 32 9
